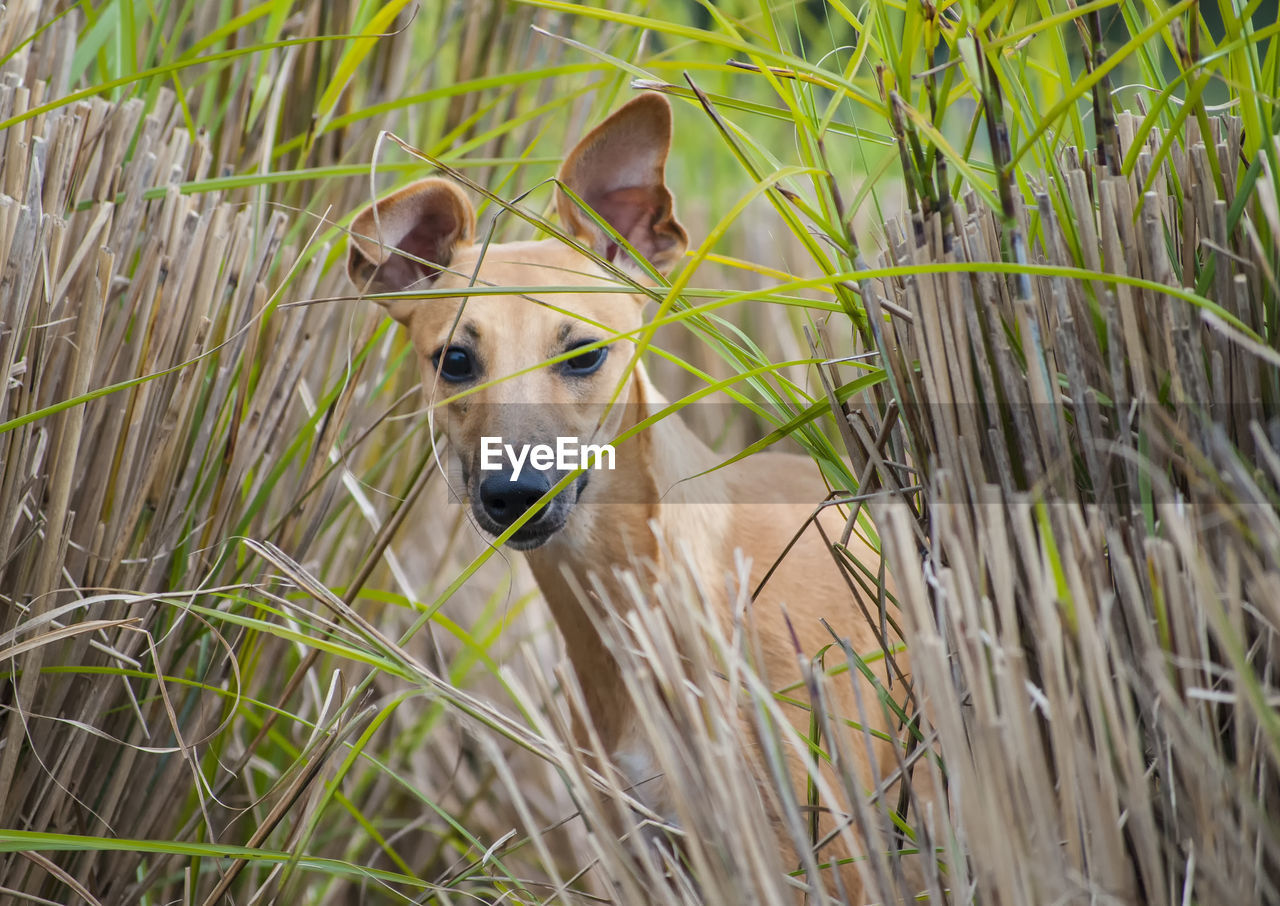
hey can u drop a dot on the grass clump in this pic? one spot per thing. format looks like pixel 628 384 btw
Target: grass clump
pixel 1033 249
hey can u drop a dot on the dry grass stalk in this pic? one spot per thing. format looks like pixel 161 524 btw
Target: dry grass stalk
pixel 137 444
pixel 118 501
pixel 1094 628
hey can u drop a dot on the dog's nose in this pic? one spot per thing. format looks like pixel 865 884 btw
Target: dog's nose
pixel 505 498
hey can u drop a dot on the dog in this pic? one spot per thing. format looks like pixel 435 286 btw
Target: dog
pixel 488 352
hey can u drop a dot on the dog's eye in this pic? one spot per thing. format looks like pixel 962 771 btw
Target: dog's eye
pixel 455 364
pixel 586 363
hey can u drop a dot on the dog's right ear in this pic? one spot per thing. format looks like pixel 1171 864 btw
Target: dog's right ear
pixel 403 241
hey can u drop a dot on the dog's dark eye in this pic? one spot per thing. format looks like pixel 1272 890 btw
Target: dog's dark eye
pixel 455 364
pixel 587 362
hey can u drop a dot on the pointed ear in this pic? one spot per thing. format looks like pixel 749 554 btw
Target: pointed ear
pixel 427 222
pixel 618 171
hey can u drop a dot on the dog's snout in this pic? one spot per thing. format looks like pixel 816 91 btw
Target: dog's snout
pixel 506 497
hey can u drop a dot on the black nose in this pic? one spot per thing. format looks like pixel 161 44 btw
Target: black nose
pixel 505 498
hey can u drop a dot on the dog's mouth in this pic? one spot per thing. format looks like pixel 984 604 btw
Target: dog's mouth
pixel 529 537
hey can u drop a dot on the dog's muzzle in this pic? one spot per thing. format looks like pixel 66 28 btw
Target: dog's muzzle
pixel 499 498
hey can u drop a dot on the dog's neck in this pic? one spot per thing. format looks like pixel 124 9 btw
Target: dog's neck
pixel 609 548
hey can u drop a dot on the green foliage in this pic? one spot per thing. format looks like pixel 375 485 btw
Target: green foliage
pixel 228 563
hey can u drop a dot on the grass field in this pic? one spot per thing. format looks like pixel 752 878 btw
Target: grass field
pixel 1007 271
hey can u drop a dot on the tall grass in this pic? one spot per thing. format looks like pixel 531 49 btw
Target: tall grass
pixel 253 654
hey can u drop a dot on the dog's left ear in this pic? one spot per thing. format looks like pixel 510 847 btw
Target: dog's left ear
pixel 618 171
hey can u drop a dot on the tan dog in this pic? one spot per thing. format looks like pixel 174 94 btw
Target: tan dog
pixel 423 237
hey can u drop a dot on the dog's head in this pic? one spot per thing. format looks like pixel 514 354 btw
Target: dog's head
pixel 497 314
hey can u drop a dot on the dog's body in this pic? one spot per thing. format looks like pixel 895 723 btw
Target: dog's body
pixel 594 529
